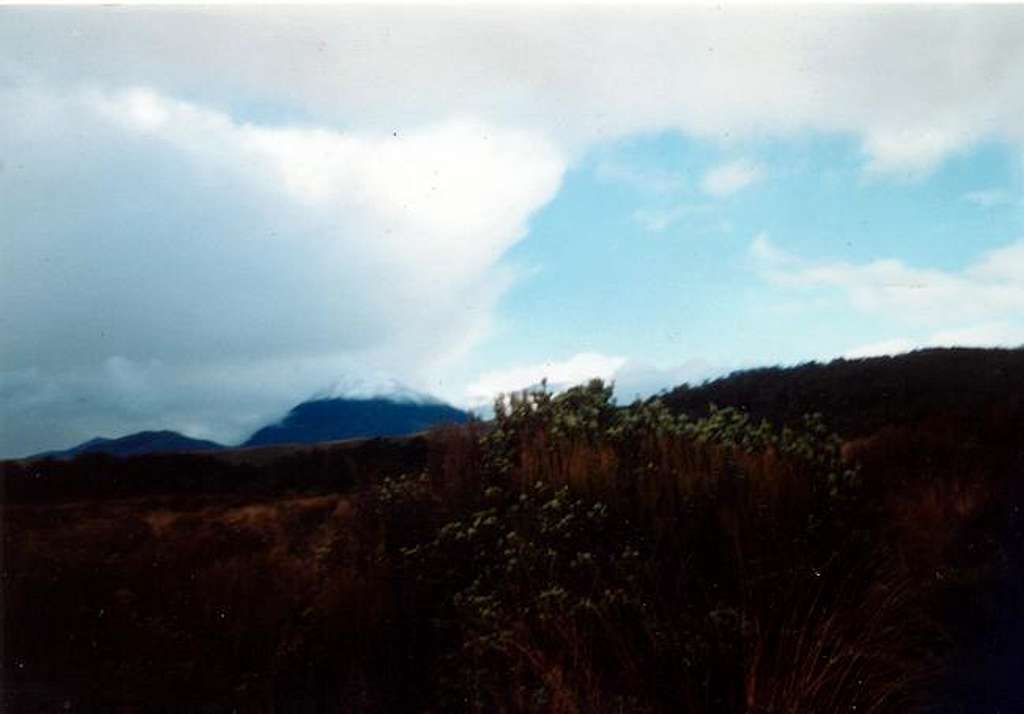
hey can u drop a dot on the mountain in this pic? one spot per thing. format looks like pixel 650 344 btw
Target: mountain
pixel 143 442
pixel 334 418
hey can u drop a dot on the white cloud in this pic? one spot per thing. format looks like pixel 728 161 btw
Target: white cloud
pixel 656 220
pixel 978 306
pixel 465 188
pixel 632 378
pixel 912 84
pixel 768 255
pixel 147 239
pixel 648 180
pixel 559 374
pixel 989 334
pixel 991 286
pixel 729 178
pixel 989 197
pixel 894 346
pixel 638 379
pixel 911 152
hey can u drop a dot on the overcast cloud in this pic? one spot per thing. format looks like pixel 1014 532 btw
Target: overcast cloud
pixel 152 240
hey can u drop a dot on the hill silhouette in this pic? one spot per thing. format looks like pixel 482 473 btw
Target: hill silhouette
pixel 339 418
pixel 860 396
pixel 143 442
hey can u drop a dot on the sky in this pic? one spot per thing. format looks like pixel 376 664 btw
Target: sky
pixel 208 215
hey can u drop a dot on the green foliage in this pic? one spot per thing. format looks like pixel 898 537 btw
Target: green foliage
pixel 583 413
pixel 587 415
pixel 526 572
pixel 550 572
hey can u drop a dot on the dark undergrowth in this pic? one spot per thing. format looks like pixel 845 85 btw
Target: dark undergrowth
pixel 568 557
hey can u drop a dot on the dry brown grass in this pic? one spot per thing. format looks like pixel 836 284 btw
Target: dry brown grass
pixel 762 592
pixel 144 600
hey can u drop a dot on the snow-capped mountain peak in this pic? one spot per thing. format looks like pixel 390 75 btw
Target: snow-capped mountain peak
pixel 386 388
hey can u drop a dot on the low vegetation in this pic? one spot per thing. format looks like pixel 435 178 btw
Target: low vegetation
pixel 570 556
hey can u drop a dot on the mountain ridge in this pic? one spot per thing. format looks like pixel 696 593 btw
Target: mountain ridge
pixel 139 442
pixel 333 419
pixel 861 395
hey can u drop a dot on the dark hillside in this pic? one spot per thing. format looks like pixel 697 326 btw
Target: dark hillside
pixel 342 418
pixel 257 471
pixel 861 396
pixel 143 442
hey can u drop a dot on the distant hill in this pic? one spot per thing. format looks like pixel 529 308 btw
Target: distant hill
pixel 143 442
pixel 860 396
pixel 331 419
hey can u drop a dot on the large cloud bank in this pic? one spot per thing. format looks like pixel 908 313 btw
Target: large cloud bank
pixel 155 243
pixel 914 84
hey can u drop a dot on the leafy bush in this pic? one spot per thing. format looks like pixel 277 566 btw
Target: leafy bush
pixel 596 553
pixel 529 583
